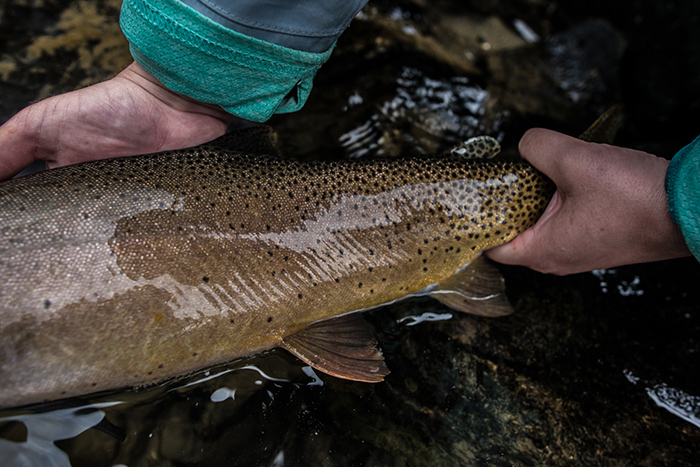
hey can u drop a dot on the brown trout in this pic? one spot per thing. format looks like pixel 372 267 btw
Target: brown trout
pixel 129 271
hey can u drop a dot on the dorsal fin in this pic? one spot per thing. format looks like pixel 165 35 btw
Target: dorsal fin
pixel 605 127
pixel 479 147
pixel 478 289
pixel 342 347
pixel 257 139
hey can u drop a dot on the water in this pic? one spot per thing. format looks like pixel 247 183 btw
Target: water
pixel 596 368
pixel 437 111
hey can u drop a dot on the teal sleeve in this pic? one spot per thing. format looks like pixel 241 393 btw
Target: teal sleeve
pixel 195 56
pixel 683 189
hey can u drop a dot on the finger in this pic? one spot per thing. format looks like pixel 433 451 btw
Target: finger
pixel 514 252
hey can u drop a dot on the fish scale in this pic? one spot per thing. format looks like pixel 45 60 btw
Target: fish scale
pixel 130 271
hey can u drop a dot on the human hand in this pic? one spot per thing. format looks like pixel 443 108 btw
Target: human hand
pixel 610 208
pixel 132 113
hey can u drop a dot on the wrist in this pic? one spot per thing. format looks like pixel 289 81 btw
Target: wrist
pixel 663 237
pixel 683 189
pixel 138 76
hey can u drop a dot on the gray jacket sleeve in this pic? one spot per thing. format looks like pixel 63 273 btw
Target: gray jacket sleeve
pixel 306 25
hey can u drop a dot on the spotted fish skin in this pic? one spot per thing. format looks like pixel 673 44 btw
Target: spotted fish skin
pixel 129 271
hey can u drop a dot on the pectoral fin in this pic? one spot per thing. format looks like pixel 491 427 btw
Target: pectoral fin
pixel 342 347
pixel 478 289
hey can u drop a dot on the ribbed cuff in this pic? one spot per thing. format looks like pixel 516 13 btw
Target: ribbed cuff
pixel 199 58
pixel 683 189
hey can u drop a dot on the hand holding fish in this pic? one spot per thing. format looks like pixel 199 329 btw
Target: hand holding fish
pixel 132 113
pixel 610 208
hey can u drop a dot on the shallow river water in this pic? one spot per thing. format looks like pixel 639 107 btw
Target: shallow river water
pixel 592 369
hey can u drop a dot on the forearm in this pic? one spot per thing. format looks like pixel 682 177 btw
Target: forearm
pixel 226 56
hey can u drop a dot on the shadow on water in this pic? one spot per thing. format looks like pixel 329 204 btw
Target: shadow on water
pixel 592 369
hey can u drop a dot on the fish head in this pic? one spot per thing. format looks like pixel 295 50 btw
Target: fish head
pixel 508 199
pixel 488 204
pixel 480 204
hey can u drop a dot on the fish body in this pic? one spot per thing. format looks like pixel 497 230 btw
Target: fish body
pixel 124 272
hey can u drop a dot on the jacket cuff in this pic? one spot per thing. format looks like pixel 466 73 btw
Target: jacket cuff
pixel 197 57
pixel 683 190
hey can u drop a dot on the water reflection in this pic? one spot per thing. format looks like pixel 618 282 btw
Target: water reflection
pixel 436 111
pixel 413 320
pixel 43 429
pixel 676 401
pixel 625 287
pixel 156 420
pixel 679 403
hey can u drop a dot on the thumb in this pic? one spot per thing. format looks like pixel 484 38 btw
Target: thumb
pixel 525 248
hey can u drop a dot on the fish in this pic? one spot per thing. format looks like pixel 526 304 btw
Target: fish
pixel 127 272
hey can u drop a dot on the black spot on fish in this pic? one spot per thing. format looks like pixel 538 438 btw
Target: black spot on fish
pixel 205 279
pixel 47 304
pixel 269 319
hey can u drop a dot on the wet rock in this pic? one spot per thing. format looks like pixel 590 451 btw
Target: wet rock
pixel 585 62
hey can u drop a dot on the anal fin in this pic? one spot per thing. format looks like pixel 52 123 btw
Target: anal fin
pixel 342 347
pixel 478 289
